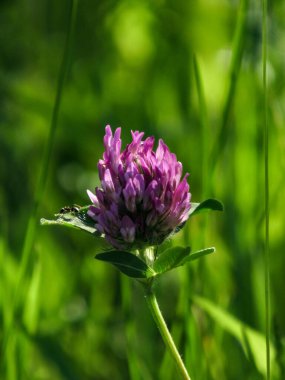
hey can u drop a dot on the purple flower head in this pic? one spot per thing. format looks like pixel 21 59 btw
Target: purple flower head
pixel 142 198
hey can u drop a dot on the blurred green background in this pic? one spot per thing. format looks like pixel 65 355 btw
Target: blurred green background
pixel 191 73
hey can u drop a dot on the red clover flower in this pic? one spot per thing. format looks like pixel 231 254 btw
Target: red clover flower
pixel 142 199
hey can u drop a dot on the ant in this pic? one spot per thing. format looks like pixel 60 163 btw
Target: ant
pixel 73 208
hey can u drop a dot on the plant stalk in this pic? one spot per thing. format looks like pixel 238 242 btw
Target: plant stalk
pixel 166 336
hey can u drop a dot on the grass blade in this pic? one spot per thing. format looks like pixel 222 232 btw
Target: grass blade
pixel 266 188
pixel 204 125
pixel 254 339
pixel 237 52
pixel 33 222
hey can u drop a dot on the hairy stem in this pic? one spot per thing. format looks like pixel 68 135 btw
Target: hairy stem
pixel 166 336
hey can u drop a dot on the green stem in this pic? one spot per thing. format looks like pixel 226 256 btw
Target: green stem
pixel 166 336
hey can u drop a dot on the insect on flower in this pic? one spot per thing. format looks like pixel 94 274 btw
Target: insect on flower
pixel 67 209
